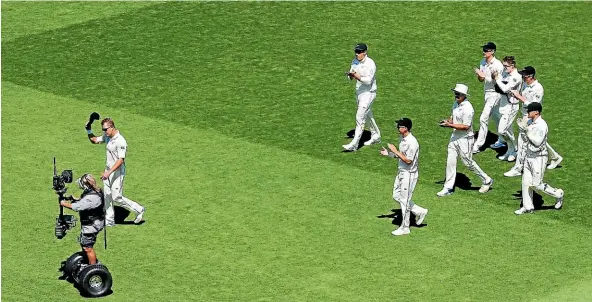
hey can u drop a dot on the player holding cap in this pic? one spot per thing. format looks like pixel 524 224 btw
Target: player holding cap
pixel 461 141
pixel 509 80
pixel 532 92
pixel 489 65
pixel 406 179
pixel 363 71
pixel 535 140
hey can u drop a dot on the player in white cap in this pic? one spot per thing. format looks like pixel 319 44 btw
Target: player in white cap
pixel 489 66
pixel 363 70
pixel 535 133
pixel 461 141
pixel 406 179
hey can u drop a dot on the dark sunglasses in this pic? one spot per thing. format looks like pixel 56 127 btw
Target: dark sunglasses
pixel 105 129
pixel 358 51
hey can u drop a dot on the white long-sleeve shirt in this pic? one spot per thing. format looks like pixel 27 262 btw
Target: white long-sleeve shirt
pixel 536 136
pixel 494 66
pixel 508 82
pixel 532 93
pixel 367 70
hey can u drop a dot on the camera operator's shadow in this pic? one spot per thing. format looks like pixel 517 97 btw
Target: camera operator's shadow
pixel 397 217
pixel 537 200
pixel 462 182
pixel 366 136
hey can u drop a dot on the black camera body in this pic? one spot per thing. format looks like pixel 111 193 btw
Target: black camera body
pixel 64 223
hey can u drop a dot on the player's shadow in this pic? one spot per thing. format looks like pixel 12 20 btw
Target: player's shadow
pixel 397 217
pixel 366 135
pixel 537 200
pixel 462 182
pixel 121 214
pixel 491 139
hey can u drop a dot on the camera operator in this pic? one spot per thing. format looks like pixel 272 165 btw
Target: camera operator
pixel 92 218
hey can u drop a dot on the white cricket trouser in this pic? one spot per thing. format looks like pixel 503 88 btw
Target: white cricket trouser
pixel 113 190
pixel 505 129
pixel 363 115
pixel 403 190
pixel 491 107
pixel 532 178
pixel 461 147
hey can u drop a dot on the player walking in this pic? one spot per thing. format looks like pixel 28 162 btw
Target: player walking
pixel 461 141
pixel 363 71
pixel 406 179
pixel 535 134
pixel 489 65
pixel 114 171
pixel 532 92
pixel 509 80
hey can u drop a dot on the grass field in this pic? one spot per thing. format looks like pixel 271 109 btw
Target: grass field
pixel 235 114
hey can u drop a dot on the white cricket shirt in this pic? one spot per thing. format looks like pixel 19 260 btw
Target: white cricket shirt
pixel 536 135
pixel 462 114
pixel 367 70
pixel 116 149
pixel 508 82
pixel 489 68
pixel 532 93
pixel 410 147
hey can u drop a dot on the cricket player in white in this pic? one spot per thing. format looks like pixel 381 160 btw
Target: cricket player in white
pixel 406 179
pixel 461 141
pixel 489 66
pixel 535 129
pixel 531 92
pixel 509 80
pixel 363 70
pixel 115 172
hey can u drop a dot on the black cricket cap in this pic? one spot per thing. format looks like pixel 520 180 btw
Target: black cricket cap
pixel 489 46
pixel 405 122
pixel 527 71
pixel 534 106
pixel 361 47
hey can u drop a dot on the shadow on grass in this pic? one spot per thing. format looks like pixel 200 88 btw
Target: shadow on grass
pixel 397 217
pixel 537 200
pixel 490 139
pixel 462 182
pixel 366 135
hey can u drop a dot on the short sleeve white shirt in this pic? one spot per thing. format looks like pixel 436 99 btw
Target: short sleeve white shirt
pixel 462 114
pixel 532 93
pixel 410 147
pixel 494 66
pixel 367 70
pixel 116 149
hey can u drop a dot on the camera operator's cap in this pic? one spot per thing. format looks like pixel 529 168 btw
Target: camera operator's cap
pixel 404 122
pixel 534 106
pixel 489 46
pixel 461 88
pixel 361 47
pixel 527 71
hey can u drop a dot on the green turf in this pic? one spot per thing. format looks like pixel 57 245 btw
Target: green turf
pixel 234 113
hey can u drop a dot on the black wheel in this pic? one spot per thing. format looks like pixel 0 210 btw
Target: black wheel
pixel 73 262
pixel 95 280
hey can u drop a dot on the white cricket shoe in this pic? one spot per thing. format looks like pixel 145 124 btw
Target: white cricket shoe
pixel 511 157
pixel 349 147
pixel 559 202
pixel 372 141
pixel 486 186
pixel 475 151
pixel 554 163
pixel 421 217
pixel 140 216
pixel 512 173
pixel 401 231
pixel 444 192
pixel 523 211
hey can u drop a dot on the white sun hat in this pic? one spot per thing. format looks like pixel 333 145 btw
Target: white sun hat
pixel 461 88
